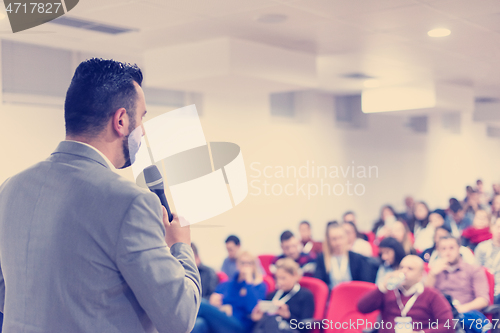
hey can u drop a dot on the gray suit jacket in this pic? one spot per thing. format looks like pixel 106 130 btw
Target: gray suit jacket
pixel 83 250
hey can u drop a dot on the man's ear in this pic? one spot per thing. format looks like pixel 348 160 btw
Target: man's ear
pixel 120 122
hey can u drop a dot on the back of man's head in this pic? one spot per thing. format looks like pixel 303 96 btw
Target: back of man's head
pixel 98 89
pixel 286 235
pixel 234 239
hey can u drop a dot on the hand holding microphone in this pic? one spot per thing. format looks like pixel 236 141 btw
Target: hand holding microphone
pixel 174 232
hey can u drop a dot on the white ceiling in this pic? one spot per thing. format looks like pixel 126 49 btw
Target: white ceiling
pixel 386 39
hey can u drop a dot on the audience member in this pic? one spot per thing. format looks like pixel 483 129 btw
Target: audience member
pixel 456 220
pixel 229 264
pixel 407 216
pixel 391 253
pixel 483 196
pixel 337 264
pixel 488 256
pixel 355 242
pixel 479 231
pixel 466 284
pixel 496 191
pixel 387 217
pixel 420 218
pixel 209 279
pixel 292 248
pixel 230 306
pixel 309 246
pixel 411 300
pixel 350 216
pixel 472 205
pixel 401 232
pixel 291 301
pixel 424 238
pixel 431 254
pixel 495 207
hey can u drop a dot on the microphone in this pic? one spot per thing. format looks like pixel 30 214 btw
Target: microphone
pixel 155 183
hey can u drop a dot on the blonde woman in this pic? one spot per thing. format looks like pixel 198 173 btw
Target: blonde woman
pixel 289 302
pixel 230 306
pixel 337 264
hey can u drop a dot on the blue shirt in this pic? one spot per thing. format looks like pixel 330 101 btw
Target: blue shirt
pixel 242 297
pixel 229 267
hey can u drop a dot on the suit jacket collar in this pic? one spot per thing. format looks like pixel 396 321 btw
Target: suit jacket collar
pixel 79 149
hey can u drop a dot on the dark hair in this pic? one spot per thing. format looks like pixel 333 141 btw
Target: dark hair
pixel 334 222
pixel 399 251
pixel 99 87
pixel 414 221
pixel 358 234
pixel 195 249
pixel 286 235
pixel 305 222
pixel 455 205
pixel 234 239
pixel 435 232
pixel 347 213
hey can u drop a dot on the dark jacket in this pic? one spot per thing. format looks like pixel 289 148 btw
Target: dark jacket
pixel 362 269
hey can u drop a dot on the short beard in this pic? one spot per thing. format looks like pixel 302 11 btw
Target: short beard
pixel 126 150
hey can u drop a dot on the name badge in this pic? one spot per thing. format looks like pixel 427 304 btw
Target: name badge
pixel 403 325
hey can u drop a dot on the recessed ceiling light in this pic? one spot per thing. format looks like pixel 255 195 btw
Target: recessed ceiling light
pixel 2 15
pixel 372 83
pixel 439 32
pixel 272 18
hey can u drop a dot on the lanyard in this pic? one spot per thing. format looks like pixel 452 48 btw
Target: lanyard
pixel 287 297
pixel 405 309
pixel 339 272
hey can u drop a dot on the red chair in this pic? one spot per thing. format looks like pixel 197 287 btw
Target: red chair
pixel 222 276
pixel 269 281
pixel 343 306
pixel 266 260
pixel 320 293
pixel 371 236
pixel 491 283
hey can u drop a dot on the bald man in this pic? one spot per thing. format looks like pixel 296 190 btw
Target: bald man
pixel 410 307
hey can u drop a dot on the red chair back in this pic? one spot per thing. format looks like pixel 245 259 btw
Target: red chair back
pixel 269 281
pixel 343 306
pixel 265 260
pixel 371 236
pixel 222 276
pixel 491 283
pixel 320 291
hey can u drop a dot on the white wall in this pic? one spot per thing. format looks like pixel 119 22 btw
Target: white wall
pixel 431 166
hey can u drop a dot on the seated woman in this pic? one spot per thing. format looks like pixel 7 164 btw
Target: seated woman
pixel 337 263
pixel 403 235
pixel 479 231
pixel 387 217
pixel 230 306
pixel 391 252
pixel 289 302
pixel 356 242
